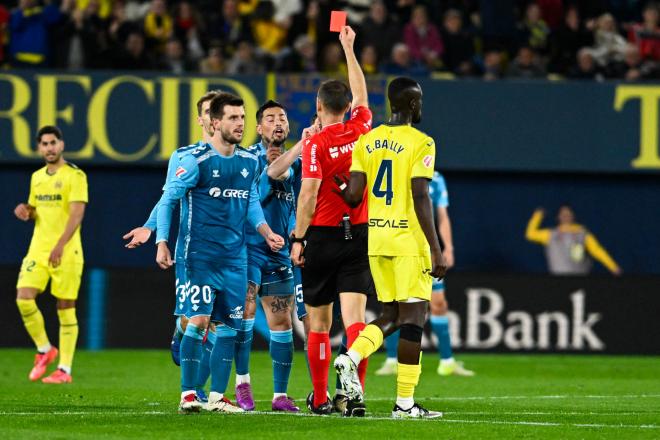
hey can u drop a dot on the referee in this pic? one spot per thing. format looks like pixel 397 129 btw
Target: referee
pixel 333 235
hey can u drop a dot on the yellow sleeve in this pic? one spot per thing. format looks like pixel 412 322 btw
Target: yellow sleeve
pixel 424 159
pixel 32 198
pixel 534 232
pixel 78 188
pixel 358 163
pixel 599 253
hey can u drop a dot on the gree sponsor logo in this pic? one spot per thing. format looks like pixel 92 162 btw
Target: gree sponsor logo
pixel 388 223
pixel 229 193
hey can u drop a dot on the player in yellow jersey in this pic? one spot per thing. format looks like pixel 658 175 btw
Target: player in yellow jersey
pixel 394 162
pixel 58 195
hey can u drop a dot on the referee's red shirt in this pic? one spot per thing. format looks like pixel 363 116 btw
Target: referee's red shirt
pixel 327 154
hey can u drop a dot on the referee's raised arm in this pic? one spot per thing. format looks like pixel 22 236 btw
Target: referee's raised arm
pixel 356 79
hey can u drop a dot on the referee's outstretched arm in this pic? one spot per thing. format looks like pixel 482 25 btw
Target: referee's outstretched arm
pixel 355 75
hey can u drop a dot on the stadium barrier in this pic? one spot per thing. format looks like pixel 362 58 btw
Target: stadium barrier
pixel 489 313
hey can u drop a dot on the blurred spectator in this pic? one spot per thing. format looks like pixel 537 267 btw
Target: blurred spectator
pixel 136 10
pixel 304 23
pixel 357 10
pixel 269 36
pixel 566 42
pixel 133 55
pixel 285 10
pixel 646 35
pixel 423 38
pixel 81 39
pixel 552 12
pixel 244 61
pixel 120 26
pixel 303 57
pixel 103 7
pixel 633 67
pixel 188 28
pixel 609 44
pixel 175 60
pixel 493 65
pixel 214 62
pixel 586 67
pixel 4 20
pixel 333 62
pixel 369 60
pixel 569 247
pixel 158 25
pixel 401 63
pixel 526 65
pixel 379 30
pixel 534 30
pixel 230 28
pixel 29 28
pixel 459 45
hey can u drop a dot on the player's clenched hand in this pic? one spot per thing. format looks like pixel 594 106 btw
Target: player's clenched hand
pixel 275 242
pixel 347 37
pixel 137 236
pixel 23 211
pixel 297 254
pixel 310 131
pixel 163 256
pixel 55 257
pixel 439 265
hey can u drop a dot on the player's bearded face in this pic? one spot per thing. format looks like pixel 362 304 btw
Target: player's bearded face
pixel 51 148
pixel 231 125
pixel 274 126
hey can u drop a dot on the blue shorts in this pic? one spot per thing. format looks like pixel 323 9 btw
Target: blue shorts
pixel 216 290
pixel 272 273
pixel 180 287
pixel 438 284
pixel 300 303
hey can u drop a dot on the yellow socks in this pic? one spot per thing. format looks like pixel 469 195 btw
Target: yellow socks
pixel 34 323
pixel 406 380
pixel 370 340
pixel 68 337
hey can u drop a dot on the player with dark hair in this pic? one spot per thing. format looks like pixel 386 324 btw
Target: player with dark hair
pixel 141 235
pixel 220 182
pixel 332 234
pixel 394 164
pixel 57 200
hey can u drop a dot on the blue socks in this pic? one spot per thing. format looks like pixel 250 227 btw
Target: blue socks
pixel 243 346
pixel 281 351
pixel 222 357
pixel 440 326
pixel 392 345
pixel 191 356
pixel 205 366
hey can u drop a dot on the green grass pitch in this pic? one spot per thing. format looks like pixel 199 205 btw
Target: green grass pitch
pixel 134 394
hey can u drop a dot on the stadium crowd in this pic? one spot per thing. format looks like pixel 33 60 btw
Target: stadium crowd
pixel 579 39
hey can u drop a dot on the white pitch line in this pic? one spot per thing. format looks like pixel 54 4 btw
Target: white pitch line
pixel 367 418
pixel 549 397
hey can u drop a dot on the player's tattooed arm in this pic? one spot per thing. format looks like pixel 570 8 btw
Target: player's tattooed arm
pixel 424 212
pixel 352 189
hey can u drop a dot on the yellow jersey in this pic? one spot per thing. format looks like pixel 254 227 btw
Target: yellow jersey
pixel 390 156
pixel 50 195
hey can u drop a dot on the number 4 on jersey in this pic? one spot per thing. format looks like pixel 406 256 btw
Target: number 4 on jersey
pixel 384 172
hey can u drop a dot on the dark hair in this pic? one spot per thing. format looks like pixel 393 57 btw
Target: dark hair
pixel 398 87
pixel 335 96
pixel 207 97
pixel 49 129
pixel 265 106
pixel 314 118
pixel 222 99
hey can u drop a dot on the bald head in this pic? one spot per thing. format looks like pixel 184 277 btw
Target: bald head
pixel 405 96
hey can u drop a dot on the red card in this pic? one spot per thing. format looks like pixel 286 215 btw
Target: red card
pixel 337 21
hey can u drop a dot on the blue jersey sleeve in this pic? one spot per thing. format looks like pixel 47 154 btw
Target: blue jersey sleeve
pixel 264 186
pixel 172 165
pixel 185 176
pixel 441 193
pixel 255 214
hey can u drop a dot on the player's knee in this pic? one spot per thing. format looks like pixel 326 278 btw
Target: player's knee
pixel 65 304
pixel 26 294
pixel 411 332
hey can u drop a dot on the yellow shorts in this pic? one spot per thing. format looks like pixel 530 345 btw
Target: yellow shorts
pixel 65 278
pixel 401 278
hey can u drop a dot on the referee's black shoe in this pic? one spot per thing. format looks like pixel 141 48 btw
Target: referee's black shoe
pixel 324 409
pixel 339 403
pixel 354 408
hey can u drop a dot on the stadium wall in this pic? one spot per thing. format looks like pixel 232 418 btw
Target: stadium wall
pixel 489 313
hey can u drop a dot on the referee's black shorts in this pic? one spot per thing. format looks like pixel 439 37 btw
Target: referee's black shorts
pixel 334 264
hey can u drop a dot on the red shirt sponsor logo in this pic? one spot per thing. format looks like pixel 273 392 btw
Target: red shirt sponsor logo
pixel 180 172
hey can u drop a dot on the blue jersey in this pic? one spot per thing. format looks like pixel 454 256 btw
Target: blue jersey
pixel 438 192
pixel 151 223
pixel 222 194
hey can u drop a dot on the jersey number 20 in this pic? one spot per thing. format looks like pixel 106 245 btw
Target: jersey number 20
pixel 384 173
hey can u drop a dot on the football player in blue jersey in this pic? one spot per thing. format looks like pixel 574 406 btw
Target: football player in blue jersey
pixel 220 182
pixel 439 307
pixel 141 235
